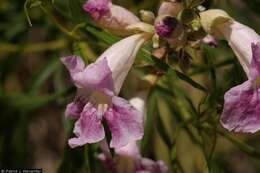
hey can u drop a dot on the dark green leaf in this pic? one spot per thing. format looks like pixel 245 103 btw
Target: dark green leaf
pixel 149 124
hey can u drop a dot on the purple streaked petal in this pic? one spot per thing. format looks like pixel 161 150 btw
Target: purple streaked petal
pixel 74 109
pixel 151 166
pixel 97 76
pixel 88 128
pixel 166 26
pixel 125 123
pixel 117 20
pixel 74 64
pixel 255 62
pixel 97 8
pixel 130 150
pixel 242 109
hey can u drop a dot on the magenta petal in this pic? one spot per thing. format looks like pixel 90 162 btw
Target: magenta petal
pixel 97 76
pixel 150 166
pixel 242 109
pixel 74 64
pixel 255 63
pixel 125 123
pixel 74 109
pixel 97 8
pixel 166 26
pixel 88 128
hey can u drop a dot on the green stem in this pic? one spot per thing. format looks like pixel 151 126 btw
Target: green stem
pixel 26 13
pixel 31 48
pixel 59 25
pixel 241 145
pixel 251 151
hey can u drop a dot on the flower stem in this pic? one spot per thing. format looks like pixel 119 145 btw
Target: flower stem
pixel 241 145
pixel 59 25
pixel 26 13
pixel 35 47
pixel 251 151
pixel 105 149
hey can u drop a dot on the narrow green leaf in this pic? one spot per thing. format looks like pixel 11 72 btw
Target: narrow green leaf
pixel 189 80
pixel 76 11
pixel 162 131
pixel 43 75
pixel 149 124
pixel 106 37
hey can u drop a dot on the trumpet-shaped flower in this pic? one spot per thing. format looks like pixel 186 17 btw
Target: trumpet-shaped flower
pixel 98 85
pixel 240 38
pixel 112 17
pixel 242 103
pixel 220 25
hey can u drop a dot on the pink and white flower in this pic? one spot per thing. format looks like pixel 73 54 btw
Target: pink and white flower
pixel 98 85
pixel 112 17
pixel 220 25
pixel 129 156
pixel 242 103
pixel 240 37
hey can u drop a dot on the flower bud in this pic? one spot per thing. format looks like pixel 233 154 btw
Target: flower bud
pixel 171 8
pixel 210 19
pixel 141 27
pixel 112 17
pixel 239 36
pixel 170 29
pixel 147 16
pixel 210 41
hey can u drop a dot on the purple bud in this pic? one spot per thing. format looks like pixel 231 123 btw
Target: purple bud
pixel 97 8
pixel 165 27
pixel 211 41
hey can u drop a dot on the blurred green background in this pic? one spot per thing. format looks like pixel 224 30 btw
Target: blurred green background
pixel 35 88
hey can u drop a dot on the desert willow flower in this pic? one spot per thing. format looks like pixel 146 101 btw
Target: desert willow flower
pixel 240 37
pixel 129 159
pixel 242 103
pixel 112 17
pixel 98 85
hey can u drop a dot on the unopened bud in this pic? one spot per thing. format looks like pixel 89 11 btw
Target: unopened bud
pixel 170 29
pixel 111 17
pixel 147 16
pixel 171 8
pixel 141 27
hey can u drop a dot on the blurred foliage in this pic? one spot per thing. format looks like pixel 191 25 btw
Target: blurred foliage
pixel 182 111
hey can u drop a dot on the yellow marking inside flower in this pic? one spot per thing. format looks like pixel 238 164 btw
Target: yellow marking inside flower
pixel 256 83
pixel 101 101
